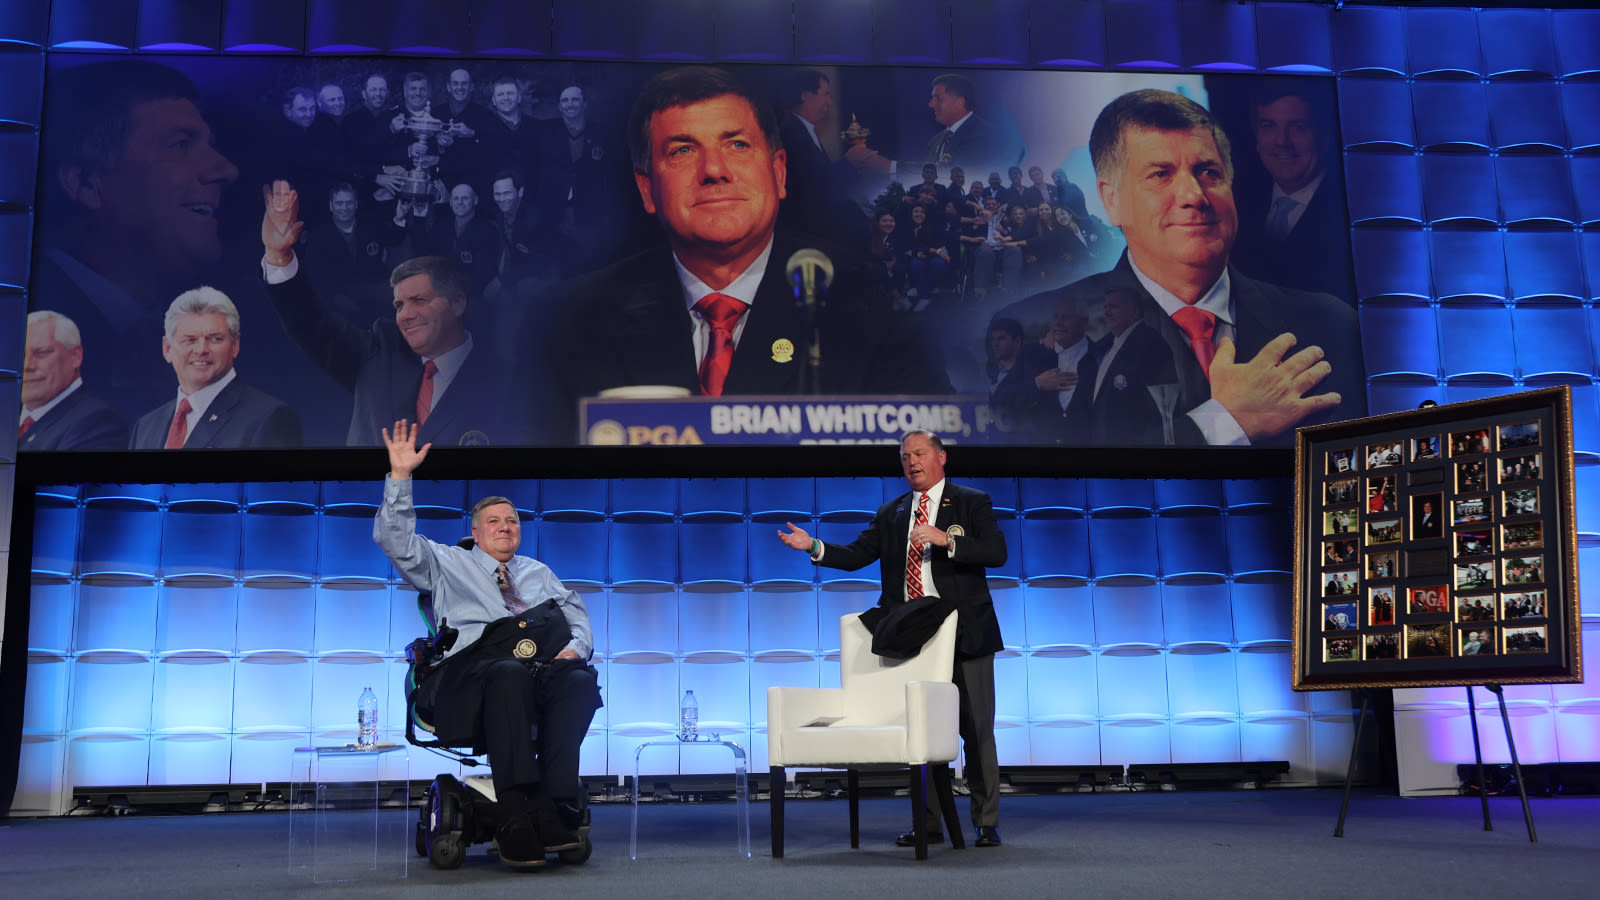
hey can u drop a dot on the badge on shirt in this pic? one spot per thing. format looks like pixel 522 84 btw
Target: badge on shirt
pixel 466 257
pixel 955 531
pixel 782 350
pixel 525 649
pixel 373 249
pixel 1120 382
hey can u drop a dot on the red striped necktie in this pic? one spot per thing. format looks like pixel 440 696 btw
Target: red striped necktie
pixel 722 313
pixel 914 554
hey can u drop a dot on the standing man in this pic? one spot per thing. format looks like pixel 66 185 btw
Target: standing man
pixel 497 684
pixel 966 138
pixel 936 541
pixel 712 311
pixel 57 413
pixel 1126 386
pixel 422 363
pixel 213 408
pixel 1014 368
pixel 816 198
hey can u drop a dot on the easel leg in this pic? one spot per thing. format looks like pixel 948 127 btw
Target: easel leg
pixel 1477 753
pixel 1516 767
pixel 1350 773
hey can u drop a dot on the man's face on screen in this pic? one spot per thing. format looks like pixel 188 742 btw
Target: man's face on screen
pixel 713 179
pixel 201 349
pixel 331 100
pixel 1286 139
pixel 48 365
pixel 1173 201
pixel 498 531
pixel 163 194
pixel 429 321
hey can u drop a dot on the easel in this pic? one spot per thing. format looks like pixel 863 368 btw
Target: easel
pixel 1477 752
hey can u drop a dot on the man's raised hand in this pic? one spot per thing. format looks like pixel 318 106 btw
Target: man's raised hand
pixel 404 455
pixel 280 224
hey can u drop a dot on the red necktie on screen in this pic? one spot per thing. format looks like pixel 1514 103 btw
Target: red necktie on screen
pixel 508 590
pixel 179 430
pixel 1199 326
pixel 914 554
pixel 425 393
pixel 27 422
pixel 722 313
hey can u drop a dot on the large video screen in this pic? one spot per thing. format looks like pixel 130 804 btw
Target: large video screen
pixel 278 252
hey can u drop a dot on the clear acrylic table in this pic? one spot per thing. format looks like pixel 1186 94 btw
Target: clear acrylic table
pixel 342 825
pixel 741 788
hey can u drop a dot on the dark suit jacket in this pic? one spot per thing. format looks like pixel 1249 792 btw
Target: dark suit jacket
pixel 1264 311
pixel 962 580
pixel 817 188
pixel 1313 256
pixel 1017 399
pixel 628 324
pixel 977 144
pixel 81 421
pixel 486 404
pixel 1124 414
pixel 239 417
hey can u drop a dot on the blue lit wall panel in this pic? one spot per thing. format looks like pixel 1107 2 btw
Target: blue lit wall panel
pixel 1139 741
pixel 1517 42
pixel 911 31
pixel 1217 35
pixel 819 38
pixel 1535 190
pixel 197 615
pixel 352 616
pixel 108 759
pixel 405 621
pixel 1127 614
pixel 644 496
pixel 41 775
pixel 1067 34
pixel 276 616
pixel 1142 34
pixel 1468 265
pixel 1376 112
pixel 1474 341
pixel 262 25
pixel 1264 682
pixel 712 496
pixel 1205 741
pixel 757 30
pixel 643 621
pixel 193 694
pixel 1391 263
pixel 843 495
pixel 795 496
pixel 116 616
pixel 52 606
pixel 1194 613
pixel 1442 42
pixel 280 545
pixel 111 694
pixel 771 561
pixel 1063 685
pixel 1578 41
pixel 1180 493
pixel 336 685
pixel 1451 114
pixel 45 709
pixel 642 697
pixel 1553 342
pixel 715 621
pixel 1051 547
pixel 784 619
pixel 120 541
pixel 1242 493
pixel 1544 265
pixel 1191 545
pixel 112 24
pixel 1400 339
pixel 1201 682
pixel 197 543
pixel 1054 493
pixel 1526 115
pixel 1059 615
pixel 511 27
pixel 1583 129
pixel 1459 187
pixel 717 551
pixel 190 759
pixel 1065 743
pixel 1010 608
pixel 649 552
pixel 1261 611
pixel 990 32
pixel 1011 688
pixel 1121 546
pixel 1294 37
pixel 576 550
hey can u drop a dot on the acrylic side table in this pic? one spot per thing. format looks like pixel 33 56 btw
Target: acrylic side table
pixel 741 790
pixel 339 826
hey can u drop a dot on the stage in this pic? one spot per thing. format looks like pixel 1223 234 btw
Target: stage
pixel 1226 844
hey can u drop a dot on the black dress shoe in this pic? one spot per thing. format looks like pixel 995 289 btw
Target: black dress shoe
pixel 988 836
pixel 909 839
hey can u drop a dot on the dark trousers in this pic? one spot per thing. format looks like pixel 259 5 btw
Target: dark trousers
pixel 974 680
pixel 533 726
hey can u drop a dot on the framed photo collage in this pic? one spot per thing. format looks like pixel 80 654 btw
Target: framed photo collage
pixel 1438 547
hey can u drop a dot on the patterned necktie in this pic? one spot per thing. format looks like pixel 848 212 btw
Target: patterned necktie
pixel 943 146
pixel 508 590
pixel 27 422
pixel 1278 228
pixel 722 313
pixel 1199 325
pixel 425 393
pixel 178 432
pixel 914 554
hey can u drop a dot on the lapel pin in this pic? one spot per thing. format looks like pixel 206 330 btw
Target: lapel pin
pixel 955 531
pixel 782 350
pixel 213 418
pixel 1120 382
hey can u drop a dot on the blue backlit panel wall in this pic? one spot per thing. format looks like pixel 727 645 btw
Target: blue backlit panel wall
pixel 181 635
pixel 1470 144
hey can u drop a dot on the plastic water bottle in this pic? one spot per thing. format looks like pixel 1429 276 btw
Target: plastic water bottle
pixel 688 717
pixel 367 720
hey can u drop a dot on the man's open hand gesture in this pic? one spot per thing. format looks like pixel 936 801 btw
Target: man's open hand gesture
pixel 404 455
pixel 280 225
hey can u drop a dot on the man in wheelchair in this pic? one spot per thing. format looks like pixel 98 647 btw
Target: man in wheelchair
pixel 516 684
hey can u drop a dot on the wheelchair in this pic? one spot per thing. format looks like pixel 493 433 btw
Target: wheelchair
pixel 458 813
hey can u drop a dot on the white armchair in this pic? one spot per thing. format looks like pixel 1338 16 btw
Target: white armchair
pixel 885 713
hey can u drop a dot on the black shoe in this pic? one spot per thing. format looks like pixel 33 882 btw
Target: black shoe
pixel 519 843
pixel 909 839
pixel 553 831
pixel 988 836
